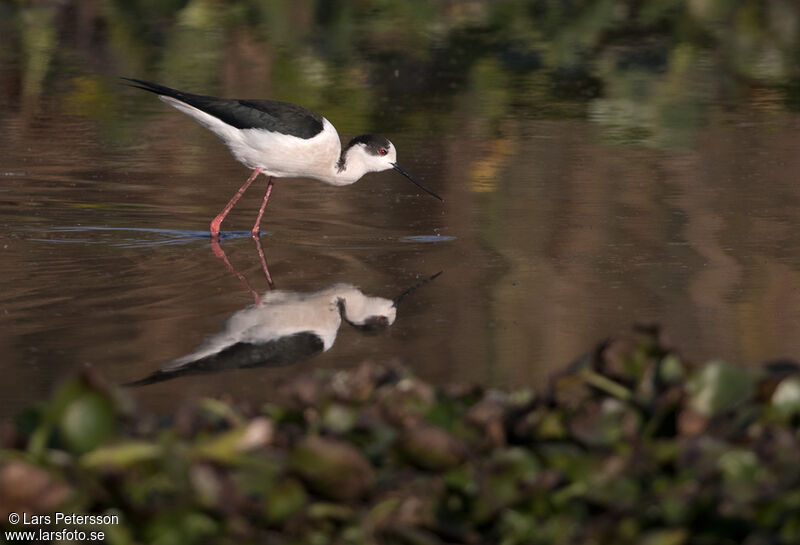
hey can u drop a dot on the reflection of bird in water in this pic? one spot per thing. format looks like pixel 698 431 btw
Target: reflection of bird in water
pixel 281 140
pixel 285 328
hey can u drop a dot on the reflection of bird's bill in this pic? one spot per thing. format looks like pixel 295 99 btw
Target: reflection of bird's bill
pixel 414 288
pixel 405 173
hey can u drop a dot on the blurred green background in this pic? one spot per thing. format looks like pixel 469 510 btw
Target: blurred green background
pixel 649 71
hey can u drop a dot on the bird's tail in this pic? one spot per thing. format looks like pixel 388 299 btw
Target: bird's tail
pixel 152 378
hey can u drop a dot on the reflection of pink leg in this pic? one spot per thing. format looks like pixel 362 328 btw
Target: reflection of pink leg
pixel 264 263
pixel 257 227
pixel 216 222
pixel 220 253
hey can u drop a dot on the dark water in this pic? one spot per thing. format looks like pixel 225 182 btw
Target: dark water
pixel 599 166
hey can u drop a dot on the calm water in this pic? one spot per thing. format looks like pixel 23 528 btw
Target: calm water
pixel 597 168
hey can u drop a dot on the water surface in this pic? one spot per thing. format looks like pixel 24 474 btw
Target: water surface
pixel 627 172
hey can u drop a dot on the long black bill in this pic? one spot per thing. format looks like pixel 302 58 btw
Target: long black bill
pixel 413 288
pixel 405 173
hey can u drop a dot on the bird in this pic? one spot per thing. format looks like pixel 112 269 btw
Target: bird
pixel 284 328
pixel 281 139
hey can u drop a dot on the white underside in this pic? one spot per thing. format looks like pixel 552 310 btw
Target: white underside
pixel 277 154
pixel 284 313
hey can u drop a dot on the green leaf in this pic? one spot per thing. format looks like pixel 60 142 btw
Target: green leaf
pixel 88 421
pixel 719 387
pixel 122 455
pixel 786 398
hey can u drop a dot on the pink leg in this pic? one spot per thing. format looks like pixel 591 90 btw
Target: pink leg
pixel 220 253
pixel 216 222
pixel 257 227
pixel 264 263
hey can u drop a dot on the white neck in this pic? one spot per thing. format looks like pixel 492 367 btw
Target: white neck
pixel 350 170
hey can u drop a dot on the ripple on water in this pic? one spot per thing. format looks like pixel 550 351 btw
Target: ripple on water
pixel 427 238
pixel 49 288
pixel 132 237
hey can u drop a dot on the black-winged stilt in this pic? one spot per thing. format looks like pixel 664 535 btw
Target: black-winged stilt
pixel 284 328
pixel 280 140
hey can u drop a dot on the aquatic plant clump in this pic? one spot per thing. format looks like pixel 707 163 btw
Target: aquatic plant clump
pixel 631 444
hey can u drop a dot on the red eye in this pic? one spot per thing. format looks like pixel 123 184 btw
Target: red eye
pixel 382 151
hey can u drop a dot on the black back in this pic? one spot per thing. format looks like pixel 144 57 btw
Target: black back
pixel 277 353
pixel 271 115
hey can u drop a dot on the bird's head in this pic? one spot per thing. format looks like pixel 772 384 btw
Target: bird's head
pixel 371 152
pixel 374 153
pixel 367 313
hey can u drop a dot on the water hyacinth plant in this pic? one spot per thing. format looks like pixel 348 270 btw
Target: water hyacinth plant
pixel 631 444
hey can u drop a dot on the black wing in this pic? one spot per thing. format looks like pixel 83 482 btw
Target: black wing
pixel 278 353
pixel 271 115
